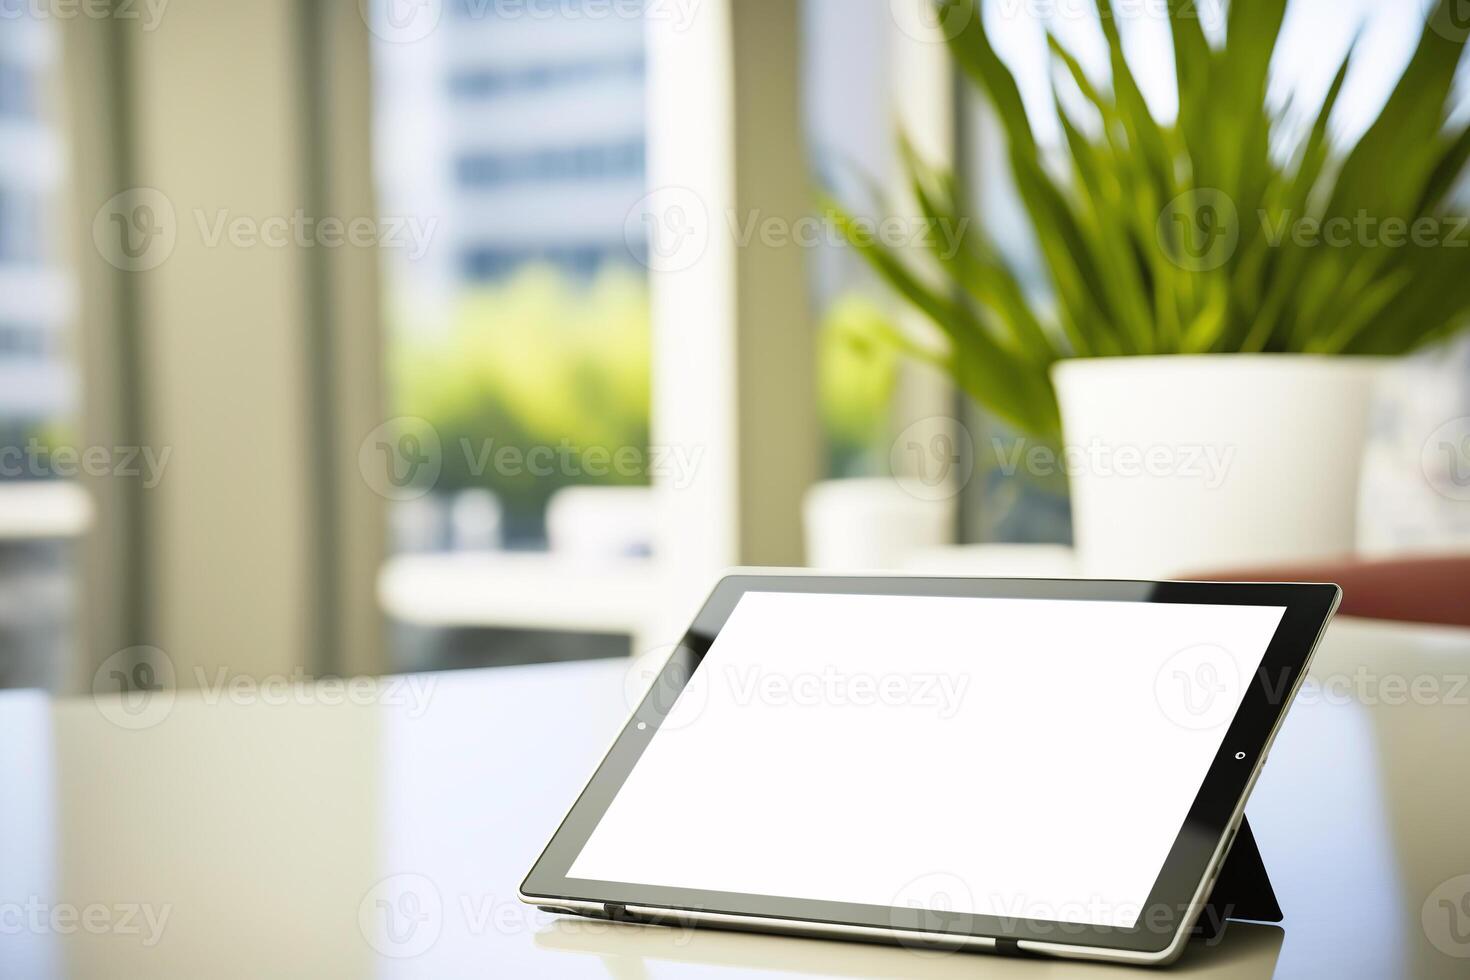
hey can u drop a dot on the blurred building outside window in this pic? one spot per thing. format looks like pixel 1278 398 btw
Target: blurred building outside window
pixel 851 127
pixel 41 512
pixel 520 334
pixel 523 325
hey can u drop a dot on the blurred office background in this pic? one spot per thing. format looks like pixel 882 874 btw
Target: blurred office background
pixel 498 412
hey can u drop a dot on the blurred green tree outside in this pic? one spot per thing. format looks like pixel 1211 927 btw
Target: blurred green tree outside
pixel 857 371
pixel 539 360
pixel 544 359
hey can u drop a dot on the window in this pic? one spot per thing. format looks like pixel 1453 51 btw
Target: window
pixel 1315 35
pixel 518 337
pixel 851 129
pixel 40 511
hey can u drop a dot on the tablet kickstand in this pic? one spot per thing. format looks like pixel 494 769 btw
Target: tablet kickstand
pixel 1242 889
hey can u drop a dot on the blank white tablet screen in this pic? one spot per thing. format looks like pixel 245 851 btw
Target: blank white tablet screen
pixel 1028 758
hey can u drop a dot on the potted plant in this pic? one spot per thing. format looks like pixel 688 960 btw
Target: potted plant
pixel 1216 307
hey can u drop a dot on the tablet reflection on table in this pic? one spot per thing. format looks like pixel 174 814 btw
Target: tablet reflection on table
pixel 1247 951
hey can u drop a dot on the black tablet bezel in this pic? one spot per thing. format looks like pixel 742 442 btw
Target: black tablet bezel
pixel 1308 606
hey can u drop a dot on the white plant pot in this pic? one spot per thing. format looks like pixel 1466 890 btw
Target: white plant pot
pixel 1186 463
pixel 873 524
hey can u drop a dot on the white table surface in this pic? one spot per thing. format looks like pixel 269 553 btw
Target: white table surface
pixel 275 837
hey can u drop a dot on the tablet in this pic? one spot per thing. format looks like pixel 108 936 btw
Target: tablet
pixel 1047 767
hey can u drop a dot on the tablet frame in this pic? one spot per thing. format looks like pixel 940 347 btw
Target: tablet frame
pixel 1178 894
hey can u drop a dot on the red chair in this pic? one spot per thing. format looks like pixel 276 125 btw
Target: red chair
pixel 1416 590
